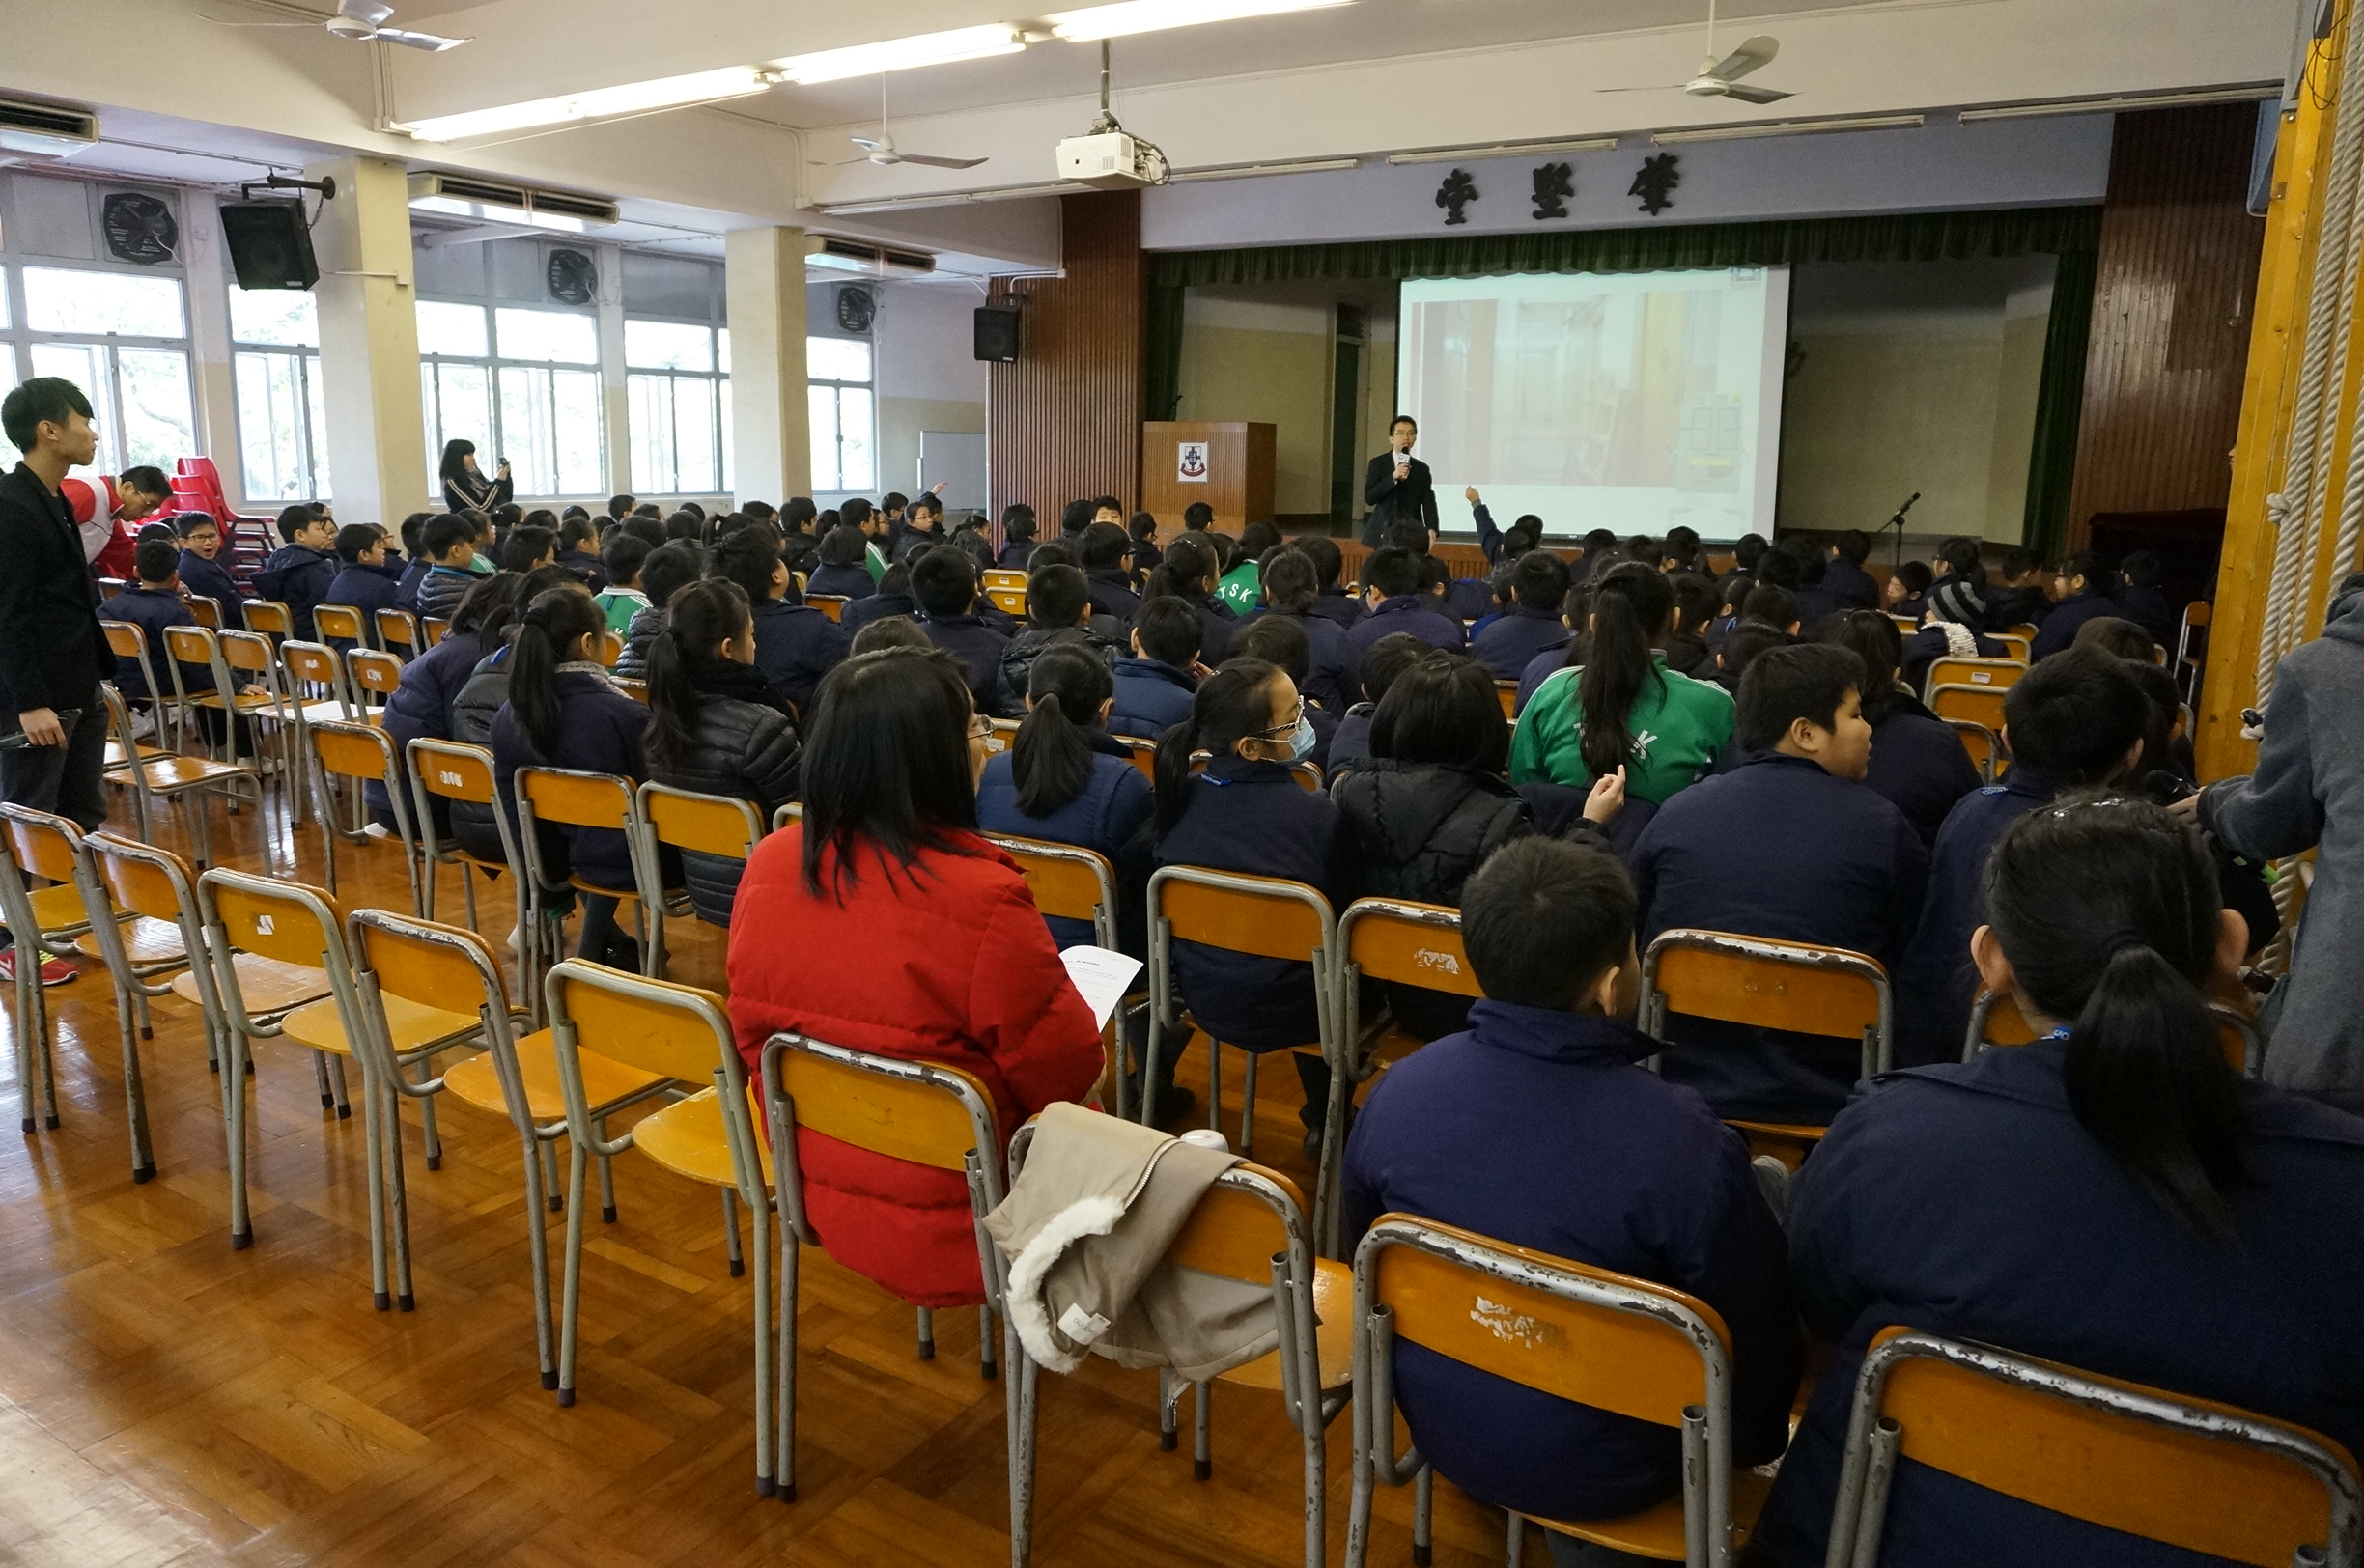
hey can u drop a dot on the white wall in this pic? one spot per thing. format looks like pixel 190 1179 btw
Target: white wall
pixel 928 377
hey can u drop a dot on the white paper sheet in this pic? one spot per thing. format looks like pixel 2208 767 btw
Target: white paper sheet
pixel 1100 977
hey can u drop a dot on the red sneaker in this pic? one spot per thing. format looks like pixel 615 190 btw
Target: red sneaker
pixel 55 971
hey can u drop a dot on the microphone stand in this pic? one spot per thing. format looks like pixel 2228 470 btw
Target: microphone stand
pixel 1895 555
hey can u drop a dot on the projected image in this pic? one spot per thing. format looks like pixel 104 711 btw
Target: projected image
pixel 1628 402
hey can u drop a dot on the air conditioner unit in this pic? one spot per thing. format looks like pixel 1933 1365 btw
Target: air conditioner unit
pixel 858 256
pixel 496 200
pixel 31 131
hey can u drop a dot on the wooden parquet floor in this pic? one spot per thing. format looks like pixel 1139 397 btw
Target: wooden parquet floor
pixel 167 1401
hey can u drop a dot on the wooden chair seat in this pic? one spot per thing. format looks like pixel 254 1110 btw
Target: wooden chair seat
pixel 247 702
pixel 145 941
pixel 620 894
pixel 58 905
pixel 1786 1141
pixel 1333 1339
pixel 1658 1532
pixel 322 1025
pixel 605 1081
pixel 688 1139
pixel 116 759
pixel 172 771
pixel 268 985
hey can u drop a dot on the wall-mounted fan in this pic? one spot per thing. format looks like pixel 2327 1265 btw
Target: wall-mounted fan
pixel 573 277
pixel 856 309
pixel 139 228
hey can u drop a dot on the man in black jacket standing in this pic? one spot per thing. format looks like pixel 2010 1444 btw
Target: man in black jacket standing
pixel 1395 487
pixel 52 651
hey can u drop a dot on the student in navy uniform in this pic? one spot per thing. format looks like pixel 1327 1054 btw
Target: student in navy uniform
pixel 2018 595
pixel 1918 762
pixel 1292 592
pixel 1391 588
pixel 1248 813
pixel 2071 722
pixel 578 550
pixel 202 572
pixel 944 582
pixel 1844 581
pixel 1540 1128
pixel 1281 642
pixel 893 598
pixel 300 571
pixel 1107 555
pixel 1496 541
pixel 1191 571
pixel 449 544
pixel 1907 591
pixel 366 582
pixel 1787 845
pixel 794 644
pixel 152 602
pixel 430 682
pixel 2142 597
pixel 1945 635
pixel 1531 625
pixel 841 572
pixel 1154 683
pixel 1388 658
pixel 1058 611
pixel 1335 602
pixel 1141 553
pixel 414 564
pixel 2111 1197
pixel 2085 584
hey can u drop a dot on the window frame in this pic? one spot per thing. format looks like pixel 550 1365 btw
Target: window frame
pixel 493 364
pixel 312 444
pixel 837 390
pixel 718 378
pixel 19 339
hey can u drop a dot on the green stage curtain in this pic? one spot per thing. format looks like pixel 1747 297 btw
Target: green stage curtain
pixel 2060 397
pixel 1162 335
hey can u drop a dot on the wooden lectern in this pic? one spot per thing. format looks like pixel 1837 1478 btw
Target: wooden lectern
pixel 1226 464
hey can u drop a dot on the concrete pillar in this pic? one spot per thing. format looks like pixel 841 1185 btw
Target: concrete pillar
pixel 209 322
pixel 369 342
pixel 615 409
pixel 771 429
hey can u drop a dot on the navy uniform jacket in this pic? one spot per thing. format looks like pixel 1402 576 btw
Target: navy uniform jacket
pixel 1152 697
pixel 876 608
pixel 368 589
pixel 151 610
pixel 600 731
pixel 1777 848
pixel 1338 604
pixel 1350 741
pixel 1333 666
pixel 1013 557
pixel 1549 661
pixel 1538 1127
pixel 1848 586
pixel 845 581
pixel 1110 816
pixel 2148 609
pixel 405 591
pixel 978 647
pixel 2060 627
pixel 795 646
pixel 1407 612
pixel 297 576
pixel 1217 621
pixel 422 705
pixel 1254 818
pixel 1112 593
pixel 1967 1201
pixel 1509 642
pixel 1936 983
pixel 1919 764
pixel 210 579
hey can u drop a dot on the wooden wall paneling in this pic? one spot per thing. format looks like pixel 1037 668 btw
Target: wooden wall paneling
pixel 1064 419
pixel 2176 277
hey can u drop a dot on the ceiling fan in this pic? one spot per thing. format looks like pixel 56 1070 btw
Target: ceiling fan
pixel 363 21
pixel 1721 79
pixel 880 148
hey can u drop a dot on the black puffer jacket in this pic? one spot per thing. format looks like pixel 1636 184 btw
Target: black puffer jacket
pixel 646 627
pixel 1417 831
pixel 1018 662
pixel 483 695
pixel 741 744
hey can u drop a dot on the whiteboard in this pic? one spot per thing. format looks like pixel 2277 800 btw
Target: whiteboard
pixel 958 459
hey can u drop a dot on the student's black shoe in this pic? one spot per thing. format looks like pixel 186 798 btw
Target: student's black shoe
pixel 1176 1108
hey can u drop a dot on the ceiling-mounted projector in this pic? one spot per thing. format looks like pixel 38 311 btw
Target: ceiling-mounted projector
pixel 1112 160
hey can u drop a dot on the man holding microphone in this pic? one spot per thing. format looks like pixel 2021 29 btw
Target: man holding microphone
pixel 1395 487
pixel 52 651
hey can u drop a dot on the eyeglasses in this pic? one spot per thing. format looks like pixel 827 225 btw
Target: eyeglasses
pixel 981 729
pixel 1286 727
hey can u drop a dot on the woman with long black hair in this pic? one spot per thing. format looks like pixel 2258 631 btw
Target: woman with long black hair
pixel 1615 704
pixel 466 489
pixel 2114 1195
pixel 1190 572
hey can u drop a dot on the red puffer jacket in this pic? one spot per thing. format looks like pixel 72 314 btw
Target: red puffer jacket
pixel 948 961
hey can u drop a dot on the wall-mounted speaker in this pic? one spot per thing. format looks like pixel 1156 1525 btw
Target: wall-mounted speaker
pixel 270 246
pixel 997 333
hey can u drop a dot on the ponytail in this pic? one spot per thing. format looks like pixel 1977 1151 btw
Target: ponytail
pixel 1188 571
pixel 2109 912
pixel 555 620
pixel 698 619
pixel 1630 605
pixel 1231 705
pixel 1051 758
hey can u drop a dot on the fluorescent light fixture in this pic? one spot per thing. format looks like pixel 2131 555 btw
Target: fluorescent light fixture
pixel 1505 149
pixel 1154 16
pixel 1246 171
pixel 2156 100
pixel 1787 128
pixel 901 54
pixel 598 103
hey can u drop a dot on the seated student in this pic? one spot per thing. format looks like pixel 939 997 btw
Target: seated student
pixel 1248 813
pixel 1774 606
pixel 1815 601
pixel 1917 761
pixel 1945 635
pixel 202 573
pixel 924 528
pixel 716 725
pixel 1740 650
pixel 794 644
pixel 1388 658
pixel 2142 597
pixel 669 568
pixel 1335 602
pixel 1292 592
pixel 892 632
pixel 577 552
pixel 1787 845
pixel 1622 706
pixel 799 545
pixel 1730 594
pixel 2018 595
pixel 151 602
pixel 1747 550
pixel 621 559
pixel 1844 581
pixel 528 547
pixel 1540 1128
pixel 944 583
pixel 970 539
pixel 1107 554
pixel 1197 518
pixel 1959 589
pixel 1281 642
pixel 564 711
pixel 1143 555
pixel 1059 612
pixel 2115 634
pixel 2071 722
pixel 2085 593
pixel 1018 528
pixel 841 572
pixel 1492 540
pixel 1531 625
pixel 414 562
pixel 893 598
pixel 298 572
pixel 910 936
pixel 1391 588
pixel 366 581
pixel 877 532
pixel 422 705
pixel 1190 571
pixel 1243 585
pixel 1908 590
pixel 1065 780
pixel 1155 681
pixel 2111 1197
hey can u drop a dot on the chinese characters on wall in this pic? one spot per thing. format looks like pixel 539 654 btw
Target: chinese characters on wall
pixel 1554 187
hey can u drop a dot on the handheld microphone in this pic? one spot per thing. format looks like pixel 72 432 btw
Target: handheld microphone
pixel 1907 506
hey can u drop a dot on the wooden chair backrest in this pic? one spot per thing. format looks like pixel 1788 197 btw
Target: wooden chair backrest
pixel 637 690
pixel 205 612
pixel 1002 576
pixel 1387 945
pixel 248 651
pixel 1067 881
pixel 610 649
pixel 1772 984
pixel 576 799
pixel 375 671
pixel 397 629
pixel 1142 754
pixel 124 640
pixel 353 751
pixel 337 621
pixel 420 961
pixel 1008 601
pixel 142 878
pixel 1234 1233
pixel 269 617
pixel 1623 1361
pixel 275 919
pixel 307 661
pixel 1269 925
pixel 657 1025
pixel 831 605
pixel 2006 1026
pixel 1999 673
pixel 1981 705
pixel 189 644
pixel 1983 745
pixel 709 824
pixel 1506 691
pixel 2197 612
pixel 2025 632
pixel 2021 647
pixel 454 771
pixel 2171 1484
pixel 892 1116
pixel 42 849
pixel 432 628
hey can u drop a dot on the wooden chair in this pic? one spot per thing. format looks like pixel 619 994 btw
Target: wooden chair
pixel 240 659
pixel 453 771
pixel 610 649
pixel 1506 691
pixel 1002 733
pixel 1798 987
pixel 1268 917
pixel 1644 1351
pixel 2019 648
pixel 372 673
pixel 1906 625
pixel 1995 1020
pixel 1249 1226
pixel 2188 1473
pixel 43 922
pixel 1142 754
pixel 1071 882
pixel 1984 746
pixel 1011 601
pixel 205 612
pixel 637 690
pixel 153 774
pixel 398 633
pixel 721 826
pixel 923 1112
pixel 1001 576
pixel 267 617
pixel 2001 674
pixel 572 799
pixel 831 605
pixel 364 754
pixel 340 622
pixel 432 629
pixel 1980 703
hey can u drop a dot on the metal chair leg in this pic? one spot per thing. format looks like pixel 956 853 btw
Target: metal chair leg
pixel 985 1368
pixel 571 1289
pixel 379 1291
pixel 1515 1541
pixel 1247 1107
pixel 234 1048
pixel 1022 1424
pixel 607 1208
pixel 135 1094
pixel 319 1072
pixel 397 1208
pixel 434 1137
pixel 1423 1516
pixel 537 1229
pixel 1214 1084
pixel 783 1436
pixel 927 1335
pixel 730 1231
pixel 1169 1396
pixel 1202 1449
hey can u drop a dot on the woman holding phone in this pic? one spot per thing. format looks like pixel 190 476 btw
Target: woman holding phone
pixel 466 489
